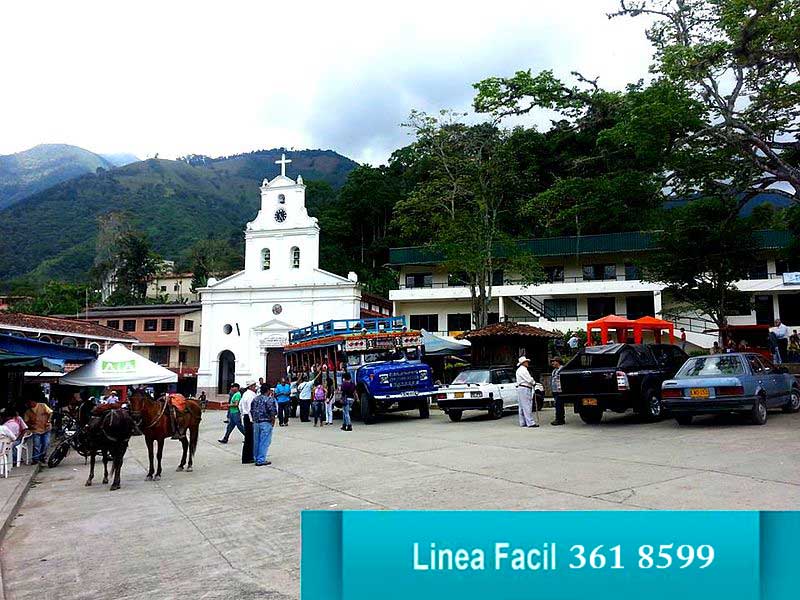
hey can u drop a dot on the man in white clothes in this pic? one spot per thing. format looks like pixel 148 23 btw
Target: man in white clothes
pixel 781 332
pixel 525 385
pixel 244 410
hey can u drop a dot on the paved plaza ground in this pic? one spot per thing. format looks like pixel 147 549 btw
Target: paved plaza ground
pixel 233 531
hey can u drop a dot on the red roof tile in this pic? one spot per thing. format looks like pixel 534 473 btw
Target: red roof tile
pixel 509 328
pixel 66 326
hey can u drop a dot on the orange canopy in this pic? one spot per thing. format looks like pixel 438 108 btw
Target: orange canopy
pixel 621 326
pixel 615 322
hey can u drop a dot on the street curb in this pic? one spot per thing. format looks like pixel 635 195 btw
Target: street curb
pixel 12 513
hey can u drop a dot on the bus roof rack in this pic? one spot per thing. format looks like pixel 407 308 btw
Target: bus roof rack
pixel 347 327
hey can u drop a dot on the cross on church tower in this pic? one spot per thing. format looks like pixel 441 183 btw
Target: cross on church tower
pixel 283 162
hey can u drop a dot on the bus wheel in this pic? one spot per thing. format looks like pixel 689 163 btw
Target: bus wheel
pixel 424 407
pixel 367 408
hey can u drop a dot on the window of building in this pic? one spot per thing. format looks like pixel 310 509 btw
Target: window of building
pixel 160 355
pixel 94 346
pixel 163 288
pixel 787 266
pixel 498 277
pixel 113 323
pixel 167 324
pixel 188 325
pixel 265 260
pixel 599 272
pixel 70 342
pixel 426 322
pixel 492 318
pixel 295 254
pixel 789 307
pixel 129 325
pixel 640 306
pixel 561 308
pixel 554 274
pixel 758 270
pixel 631 272
pixel 46 338
pixel 419 280
pixel 176 287
pixel 182 356
pixel 459 322
pixel 601 306
pixel 151 324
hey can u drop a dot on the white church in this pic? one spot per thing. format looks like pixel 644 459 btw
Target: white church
pixel 247 316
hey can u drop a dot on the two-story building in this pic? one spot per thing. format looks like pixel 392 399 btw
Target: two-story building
pixel 586 278
pixel 167 334
pixel 69 332
pixel 172 287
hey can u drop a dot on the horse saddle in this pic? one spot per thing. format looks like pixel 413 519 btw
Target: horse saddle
pixel 178 401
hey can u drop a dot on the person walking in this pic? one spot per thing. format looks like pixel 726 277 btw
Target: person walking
pixel 329 398
pixel 245 403
pixel 234 418
pixel 294 396
pixel 318 406
pixel 555 387
pixel 282 392
pixel 38 420
pixel 525 385
pixel 781 332
pixel 683 338
pixel 349 396
pixel 263 411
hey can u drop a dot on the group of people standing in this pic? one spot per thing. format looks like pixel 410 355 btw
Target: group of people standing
pixel 254 409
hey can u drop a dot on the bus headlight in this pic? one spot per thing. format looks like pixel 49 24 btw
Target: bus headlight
pixel 384 378
pixel 423 374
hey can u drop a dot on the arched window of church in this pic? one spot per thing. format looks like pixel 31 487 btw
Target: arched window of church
pixel 295 257
pixel 265 259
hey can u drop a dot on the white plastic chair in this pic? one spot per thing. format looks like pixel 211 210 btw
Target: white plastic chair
pixel 26 446
pixel 5 450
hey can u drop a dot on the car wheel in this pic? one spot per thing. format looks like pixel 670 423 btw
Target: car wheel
pixel 496 409
pixel 759 413
pixel 367 409
pixel 424 408
pixel 653 408
pixel 455 415
pixel 590 416
pixel 684 419
pixel 794 402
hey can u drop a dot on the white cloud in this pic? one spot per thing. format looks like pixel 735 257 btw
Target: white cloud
pixel 229 76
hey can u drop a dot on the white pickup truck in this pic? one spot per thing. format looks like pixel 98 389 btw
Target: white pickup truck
pixel 493 389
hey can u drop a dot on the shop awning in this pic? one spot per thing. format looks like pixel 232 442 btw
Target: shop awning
pixel 13 344
pixel 29 363
pixel 437 345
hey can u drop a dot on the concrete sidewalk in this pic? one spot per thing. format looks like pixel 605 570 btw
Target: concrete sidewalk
pixel 12 494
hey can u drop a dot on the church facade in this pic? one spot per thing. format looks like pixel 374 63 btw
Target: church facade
pixel 247 316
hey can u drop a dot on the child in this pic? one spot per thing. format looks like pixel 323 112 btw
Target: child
pixel 318 407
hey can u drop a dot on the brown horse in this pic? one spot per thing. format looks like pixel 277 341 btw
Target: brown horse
pixel 154 421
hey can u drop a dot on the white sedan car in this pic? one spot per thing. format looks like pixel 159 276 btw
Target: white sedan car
pixel 493 389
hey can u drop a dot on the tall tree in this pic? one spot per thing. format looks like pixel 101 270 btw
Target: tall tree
pixel 704 251
pixel 56 298
pixel 134 264
pixel 464 201
pixel 211 258
pixel 740 59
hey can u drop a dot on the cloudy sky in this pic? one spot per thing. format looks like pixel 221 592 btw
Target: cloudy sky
pixel 174 77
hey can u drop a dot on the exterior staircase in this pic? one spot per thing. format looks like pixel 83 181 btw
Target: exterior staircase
pixel 534 306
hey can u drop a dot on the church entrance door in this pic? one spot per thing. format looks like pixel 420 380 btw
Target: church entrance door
pixel 227 371
pixel 276 365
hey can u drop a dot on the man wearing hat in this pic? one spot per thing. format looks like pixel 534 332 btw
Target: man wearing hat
pixel 525 385
pixel 248 396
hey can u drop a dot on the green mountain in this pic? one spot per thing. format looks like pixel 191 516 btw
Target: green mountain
pixel 176 202
pixel 120 159
pixel 26 173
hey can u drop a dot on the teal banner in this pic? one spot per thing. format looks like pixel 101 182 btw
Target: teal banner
pixel 363 555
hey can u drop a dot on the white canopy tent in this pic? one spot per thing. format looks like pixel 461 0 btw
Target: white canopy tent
pixel 119 366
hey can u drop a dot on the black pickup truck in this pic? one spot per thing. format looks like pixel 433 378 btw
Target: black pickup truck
pixel 619 377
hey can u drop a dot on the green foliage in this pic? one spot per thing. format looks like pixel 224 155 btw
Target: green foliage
pixel 56 298
pixel 705 250
pixel 133 265
pixel 211 258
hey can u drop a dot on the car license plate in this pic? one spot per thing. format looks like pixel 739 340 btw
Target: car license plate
pixel 459 394
pixel 698 393
pixel 590 401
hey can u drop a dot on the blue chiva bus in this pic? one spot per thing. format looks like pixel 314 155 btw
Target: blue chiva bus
pixel 382 356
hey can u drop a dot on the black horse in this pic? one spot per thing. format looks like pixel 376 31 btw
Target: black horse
pixel 108 433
